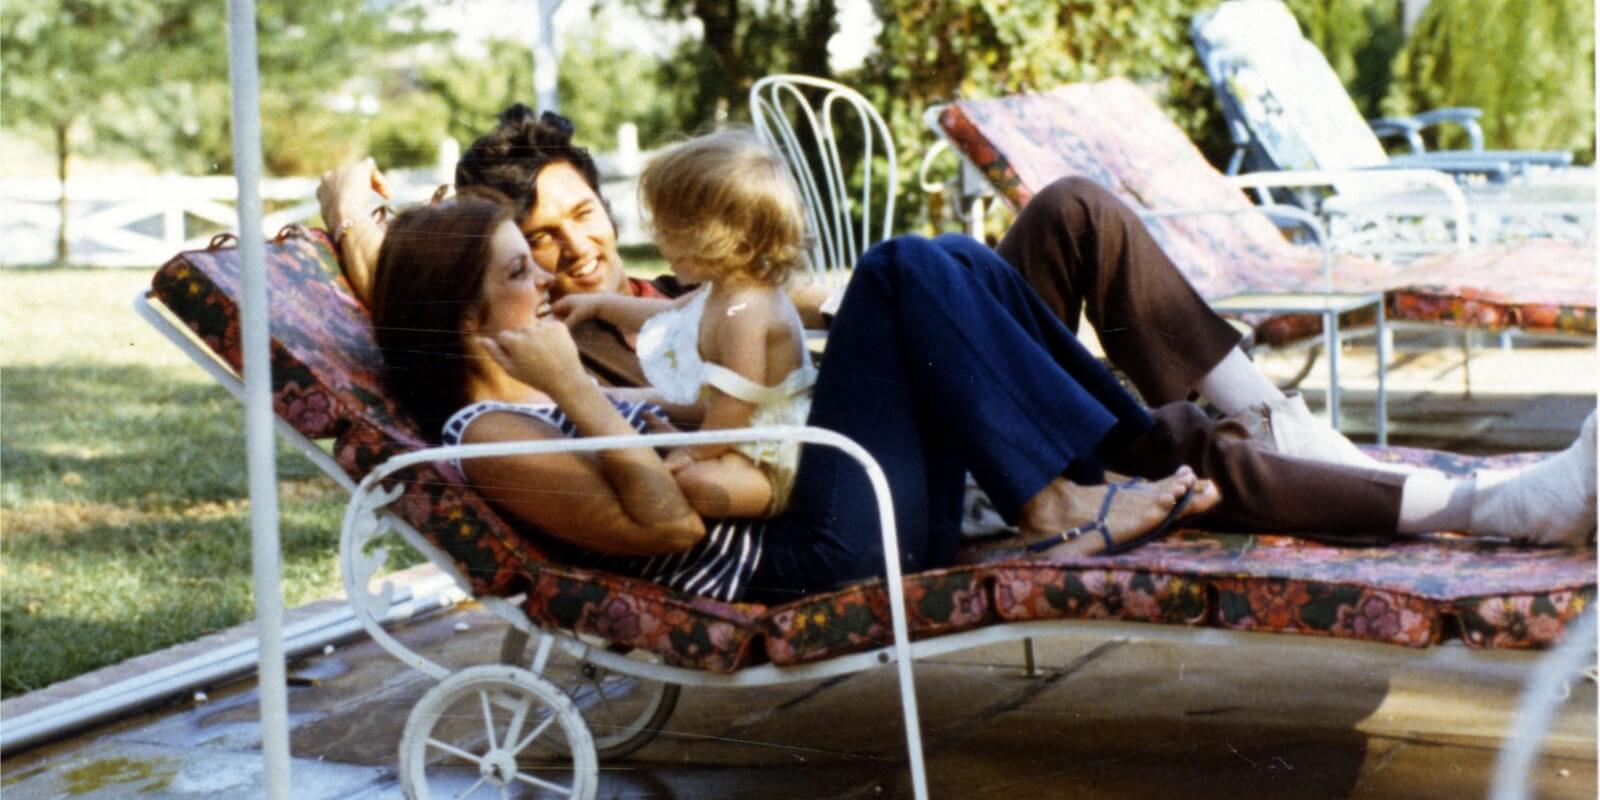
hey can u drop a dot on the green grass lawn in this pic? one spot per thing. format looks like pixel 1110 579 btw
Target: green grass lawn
pixel 122 486
pixel 124 514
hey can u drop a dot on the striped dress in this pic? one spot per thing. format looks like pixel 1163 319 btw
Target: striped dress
pixel 719 566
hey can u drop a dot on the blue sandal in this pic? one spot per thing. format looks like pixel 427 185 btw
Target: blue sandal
pixel 1098 525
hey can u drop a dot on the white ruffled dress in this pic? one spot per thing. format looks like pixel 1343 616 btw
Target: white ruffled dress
pixel 669 352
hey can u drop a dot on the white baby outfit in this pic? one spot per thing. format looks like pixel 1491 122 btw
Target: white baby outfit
pixel 669 352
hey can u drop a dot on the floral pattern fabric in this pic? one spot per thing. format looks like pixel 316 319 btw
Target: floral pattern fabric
pixel 327 382
pixel 1112 133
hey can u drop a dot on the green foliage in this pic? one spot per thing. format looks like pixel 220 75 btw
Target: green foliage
pixel 602 87
pixel 150 77
pixel 461 95
pixel 708 78
pixel 932 51
pixel 1360 39
pixel 1529 66
pixel 127 527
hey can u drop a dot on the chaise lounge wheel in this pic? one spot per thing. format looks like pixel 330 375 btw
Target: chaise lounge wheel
pixel 471 736
pixel 624 713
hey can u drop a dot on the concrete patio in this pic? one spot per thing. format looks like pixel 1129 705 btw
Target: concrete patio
pixel 1109 716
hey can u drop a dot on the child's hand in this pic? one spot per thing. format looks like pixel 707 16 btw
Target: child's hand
pixel 575 308
pixel 678 459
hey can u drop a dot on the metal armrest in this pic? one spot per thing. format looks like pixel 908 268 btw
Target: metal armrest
pixel 1385 127
pixel 1411 127
pixel 1467 118
pixel 1298 216
pixel 1379 178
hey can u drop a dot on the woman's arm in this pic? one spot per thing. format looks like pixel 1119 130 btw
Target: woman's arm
pixel 618 501
pixel 689 416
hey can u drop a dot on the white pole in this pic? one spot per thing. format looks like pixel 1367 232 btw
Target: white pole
pixel 546 70
pixel 259 445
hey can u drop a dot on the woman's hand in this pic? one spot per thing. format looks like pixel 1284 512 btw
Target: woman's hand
pixel 345 193
pixel 541 355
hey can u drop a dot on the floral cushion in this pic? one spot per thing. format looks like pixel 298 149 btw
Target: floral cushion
pixel 1114 134
pixel 857 617
pixel 327 382
pixel 684 629
pixel 1545 285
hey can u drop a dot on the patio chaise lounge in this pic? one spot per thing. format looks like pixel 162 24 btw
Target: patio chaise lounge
pixel 327 387
pixel 1286 109
pixel 1111 132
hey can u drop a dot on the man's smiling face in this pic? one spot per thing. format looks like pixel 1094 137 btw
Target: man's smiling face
pixel 571 235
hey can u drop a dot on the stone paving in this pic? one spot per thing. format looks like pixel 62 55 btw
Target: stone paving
pixel 1261 715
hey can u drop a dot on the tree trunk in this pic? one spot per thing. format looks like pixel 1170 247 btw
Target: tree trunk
pixel 62 154
pixel 820 25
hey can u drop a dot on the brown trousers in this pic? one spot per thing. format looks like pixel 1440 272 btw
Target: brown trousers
pixel 1084 251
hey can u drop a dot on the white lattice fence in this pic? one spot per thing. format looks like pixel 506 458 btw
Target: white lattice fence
pixel 142 221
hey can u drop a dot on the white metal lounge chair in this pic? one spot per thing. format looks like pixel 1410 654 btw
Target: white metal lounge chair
pixel 477 727
pixel 1287 110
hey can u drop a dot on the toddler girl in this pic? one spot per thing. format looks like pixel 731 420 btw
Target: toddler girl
pixel 727 215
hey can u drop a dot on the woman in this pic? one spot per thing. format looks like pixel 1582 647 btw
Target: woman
pixel 940 361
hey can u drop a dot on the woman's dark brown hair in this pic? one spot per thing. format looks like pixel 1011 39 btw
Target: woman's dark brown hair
pixel 429 277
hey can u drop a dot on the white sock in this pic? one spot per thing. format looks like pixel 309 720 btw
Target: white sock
pixel 1235 384
pixel 1549 503
pixel 1430 502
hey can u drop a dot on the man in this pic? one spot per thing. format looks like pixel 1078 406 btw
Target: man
pixel 1082 250
pixel 1078 246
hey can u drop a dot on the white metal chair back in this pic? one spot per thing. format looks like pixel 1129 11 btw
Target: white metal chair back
pixel 802 118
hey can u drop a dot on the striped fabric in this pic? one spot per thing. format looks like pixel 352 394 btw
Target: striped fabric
pixel 719 566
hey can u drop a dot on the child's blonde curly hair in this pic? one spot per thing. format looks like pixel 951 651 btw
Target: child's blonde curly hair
pixel 729 200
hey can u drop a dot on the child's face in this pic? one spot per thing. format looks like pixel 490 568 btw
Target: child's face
pixel 685 266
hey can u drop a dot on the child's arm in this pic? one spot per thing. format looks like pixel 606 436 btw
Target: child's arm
pixel 626 313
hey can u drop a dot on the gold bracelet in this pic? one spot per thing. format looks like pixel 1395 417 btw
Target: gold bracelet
pixel 339 233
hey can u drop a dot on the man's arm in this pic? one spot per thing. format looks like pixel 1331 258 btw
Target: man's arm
pixel 808 297
pixel 344 195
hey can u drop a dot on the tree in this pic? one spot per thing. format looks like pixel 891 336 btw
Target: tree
pixel 1529 66
pixel 740 41
pixel 150 77
pixel 60 61
pixel 932 51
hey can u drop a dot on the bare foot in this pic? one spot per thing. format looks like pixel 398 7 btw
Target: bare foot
pixel 1134 511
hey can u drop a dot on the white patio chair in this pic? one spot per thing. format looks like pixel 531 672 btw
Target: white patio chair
pixel 841 154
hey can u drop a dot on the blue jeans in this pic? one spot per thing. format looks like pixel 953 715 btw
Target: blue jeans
pixel 941 361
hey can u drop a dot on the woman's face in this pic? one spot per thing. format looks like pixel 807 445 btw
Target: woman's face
pixel 515 288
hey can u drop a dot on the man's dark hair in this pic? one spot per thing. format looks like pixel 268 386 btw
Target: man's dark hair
pixel 509 158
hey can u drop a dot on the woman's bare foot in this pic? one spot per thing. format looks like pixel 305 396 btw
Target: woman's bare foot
pixel 1134 511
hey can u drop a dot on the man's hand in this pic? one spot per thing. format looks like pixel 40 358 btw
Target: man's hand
pixel 345 193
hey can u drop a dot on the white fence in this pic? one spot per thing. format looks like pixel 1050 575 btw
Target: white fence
pixel 143 221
